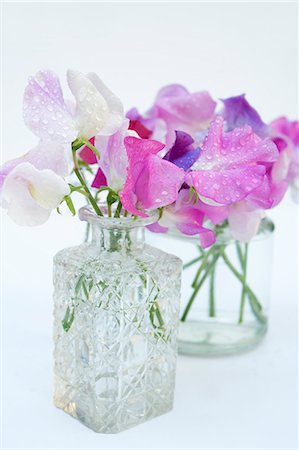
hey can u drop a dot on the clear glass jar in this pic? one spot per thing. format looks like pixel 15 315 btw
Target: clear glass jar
pixel 116 319
pixel 225 292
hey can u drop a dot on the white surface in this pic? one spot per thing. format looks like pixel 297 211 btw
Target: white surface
pixel 247 401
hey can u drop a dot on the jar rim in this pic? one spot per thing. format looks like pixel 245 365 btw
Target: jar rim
pixel 87 214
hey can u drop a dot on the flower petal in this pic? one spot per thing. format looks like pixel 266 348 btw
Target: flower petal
pixel 30 194
pixel 44 109
pixel 137 150
pixel 116 110
pixel 182 153
pixel 159 183
pixel 226 187
pixel 177 106
pixel 87 155
pixel 114 160
pixel 46 155
pixel 244 221
pixel 92 110
pixel 99 180
pixel 234 149
pixel 238 112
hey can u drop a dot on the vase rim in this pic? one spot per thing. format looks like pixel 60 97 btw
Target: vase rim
pixel 86 214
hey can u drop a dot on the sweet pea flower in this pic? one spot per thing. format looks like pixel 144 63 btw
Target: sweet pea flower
pixel 188 218
pixel 112 165
pixel 230 165
pixel 49 116
pixel 30 194
pixel 238 112
pixel 113 162
pixel 182 153
pixel 151 181
pixel 46 155
pixel 244 220
pixel 285 134
pixel 177 109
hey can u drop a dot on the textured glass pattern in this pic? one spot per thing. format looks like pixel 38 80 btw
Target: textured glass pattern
pixel 115 330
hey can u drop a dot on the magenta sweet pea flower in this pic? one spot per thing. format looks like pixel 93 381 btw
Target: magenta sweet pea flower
pixel 151 181
pixel 231 165
pixel 187 218
pixel 238 112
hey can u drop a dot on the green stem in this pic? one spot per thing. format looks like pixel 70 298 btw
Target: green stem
pixel 254 303
pixel 243 295
pixel 109 209
pixel 84 185
pixel 190 263
pixel 203 265
pixel 198 286
pixel 118 209
pixel 212 293
pixel 92 147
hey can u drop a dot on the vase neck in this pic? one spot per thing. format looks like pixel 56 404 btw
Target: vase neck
pixel 118 240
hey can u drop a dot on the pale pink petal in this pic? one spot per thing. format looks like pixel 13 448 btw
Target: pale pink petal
pixel 116 110
pixel 114 160
pixel 244 221
pixel 175 105
pixel 30 194
pixel 46 155
pixel 281 167
pixel 44 110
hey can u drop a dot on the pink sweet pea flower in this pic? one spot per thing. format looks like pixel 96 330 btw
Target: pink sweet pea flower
pixel 187 218
pixel 231 165
pixel 49 116
pixel 175 109
pixel 151 181
pixel 285 134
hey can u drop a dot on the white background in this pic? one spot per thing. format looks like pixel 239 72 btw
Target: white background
pixel 247 401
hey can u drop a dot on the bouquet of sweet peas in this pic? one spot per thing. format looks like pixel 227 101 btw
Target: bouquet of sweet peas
pixel 199 167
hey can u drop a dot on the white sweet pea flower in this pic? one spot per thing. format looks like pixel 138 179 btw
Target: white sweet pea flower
pixel 49 116
pixel 45 155
pixel 30 194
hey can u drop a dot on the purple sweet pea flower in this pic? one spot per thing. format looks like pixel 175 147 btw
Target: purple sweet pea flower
pixel 151 181
pixel 238 112
pixel 182 153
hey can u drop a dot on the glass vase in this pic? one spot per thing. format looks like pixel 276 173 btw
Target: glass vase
pixel 225 292
pixel 116 316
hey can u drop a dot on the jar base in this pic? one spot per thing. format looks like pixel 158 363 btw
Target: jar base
pixel 216 338
pixel 109 426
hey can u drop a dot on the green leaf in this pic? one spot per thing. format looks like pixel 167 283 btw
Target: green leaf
pixel 70 204
pixel 68 318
